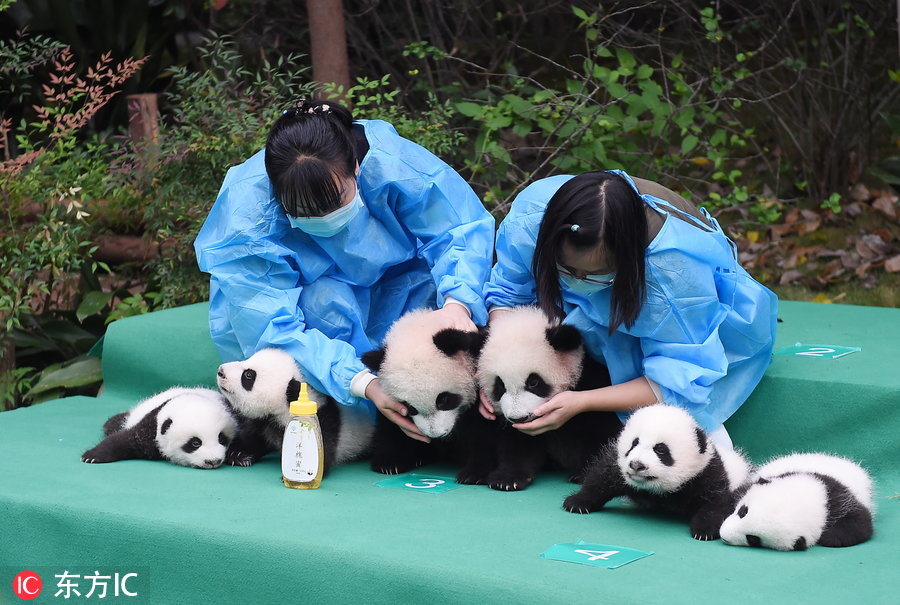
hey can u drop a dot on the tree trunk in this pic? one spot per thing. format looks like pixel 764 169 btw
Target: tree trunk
pixel 143 118
pixel 7 365
pixel 328 42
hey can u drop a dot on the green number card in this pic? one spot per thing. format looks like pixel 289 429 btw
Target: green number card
pixel 421 483
pixel 820 351
pixel 598 555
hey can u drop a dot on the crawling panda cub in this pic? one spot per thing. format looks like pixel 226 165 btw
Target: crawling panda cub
pixel 525 361
pixel 800 500
pixel 261 389
pixel 663 460
pixel 187 426
pixel 431 369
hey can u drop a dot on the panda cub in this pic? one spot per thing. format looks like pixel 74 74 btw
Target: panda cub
pixel 663 460
pixel 524 362
pixel 430 369
pixel 187 426
pixel 800 500
pixel 261 389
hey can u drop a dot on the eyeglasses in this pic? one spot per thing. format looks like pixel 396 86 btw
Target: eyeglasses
pixel 591 279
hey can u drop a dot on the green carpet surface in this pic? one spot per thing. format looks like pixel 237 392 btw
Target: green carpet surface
pixel 236 535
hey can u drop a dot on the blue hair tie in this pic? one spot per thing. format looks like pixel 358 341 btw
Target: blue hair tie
pixel 575 228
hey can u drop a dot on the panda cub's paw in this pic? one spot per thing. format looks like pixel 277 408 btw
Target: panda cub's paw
pixel 395 465
pixel 580 504
pixel 237 458
pixel 472 476
pixel 705 529
pixel 506 481
pixel 95 456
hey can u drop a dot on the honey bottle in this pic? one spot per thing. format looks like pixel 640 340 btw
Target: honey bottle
pixel 302 453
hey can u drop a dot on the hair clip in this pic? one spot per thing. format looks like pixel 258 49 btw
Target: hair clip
pixel 575 228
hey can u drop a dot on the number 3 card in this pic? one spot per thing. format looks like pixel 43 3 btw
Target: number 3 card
pixel 421 483
pixel 598 555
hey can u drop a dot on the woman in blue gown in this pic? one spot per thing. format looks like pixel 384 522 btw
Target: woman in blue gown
pixel 653 284
pixel 320 241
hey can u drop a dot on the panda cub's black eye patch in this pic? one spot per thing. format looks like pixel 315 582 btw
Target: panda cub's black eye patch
pixel 535 384
pixel 248 378
pixel 192 446
pixel 223 439
pixel 663 453
pixel 742 511
pixel 499 389
pixel 447 401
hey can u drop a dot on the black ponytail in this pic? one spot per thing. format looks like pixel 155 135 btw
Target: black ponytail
pixel 309 151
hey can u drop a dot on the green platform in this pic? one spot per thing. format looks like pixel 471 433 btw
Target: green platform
pixel 236 535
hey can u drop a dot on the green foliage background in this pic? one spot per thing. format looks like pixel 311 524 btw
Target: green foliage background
pixel 704 97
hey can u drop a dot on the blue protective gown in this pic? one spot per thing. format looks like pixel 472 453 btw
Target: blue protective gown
pixel 422 235
pixel 705 332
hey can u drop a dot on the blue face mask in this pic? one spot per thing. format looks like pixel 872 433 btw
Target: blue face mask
pixel 586 284
pixel 330 224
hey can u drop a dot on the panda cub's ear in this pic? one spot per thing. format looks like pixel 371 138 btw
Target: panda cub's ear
pixel 564 338
pixel 374 359
pixel 293 390
pixel 451 341
pixel 701 439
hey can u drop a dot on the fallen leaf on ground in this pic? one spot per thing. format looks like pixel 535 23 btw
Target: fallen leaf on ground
pixel 892 264
pixel 871 246
pixel 887 206
pixel 788 277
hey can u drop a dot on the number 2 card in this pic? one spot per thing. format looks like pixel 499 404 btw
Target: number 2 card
pixel 819 351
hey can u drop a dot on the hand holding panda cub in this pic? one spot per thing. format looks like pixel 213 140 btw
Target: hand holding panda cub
pixel 799 500
pixel 187 426
pixel 663 460
pixel 430 369
pixel 527 360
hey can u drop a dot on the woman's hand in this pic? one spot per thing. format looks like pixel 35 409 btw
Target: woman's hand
pixel 554 413
pixel 485 407
pixel 456 316
pixel 394 411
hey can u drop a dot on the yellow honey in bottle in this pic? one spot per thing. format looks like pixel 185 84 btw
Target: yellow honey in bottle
pixel 302 454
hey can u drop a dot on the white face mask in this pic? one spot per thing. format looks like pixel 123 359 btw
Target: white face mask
pixel 330 224
pixel 586 284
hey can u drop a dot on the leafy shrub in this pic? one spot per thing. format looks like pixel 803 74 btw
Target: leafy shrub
pixel 220 114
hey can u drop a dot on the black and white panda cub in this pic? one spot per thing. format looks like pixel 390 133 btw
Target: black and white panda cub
pixel 800 500
pixel 431 369
pixel 187 426
pixel 261 389
pixel 524 362
pixel 663 460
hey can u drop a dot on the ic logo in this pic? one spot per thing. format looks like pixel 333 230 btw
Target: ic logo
pixel 27 585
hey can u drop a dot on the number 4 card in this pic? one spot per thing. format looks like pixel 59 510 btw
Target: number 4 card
pixel 598 555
